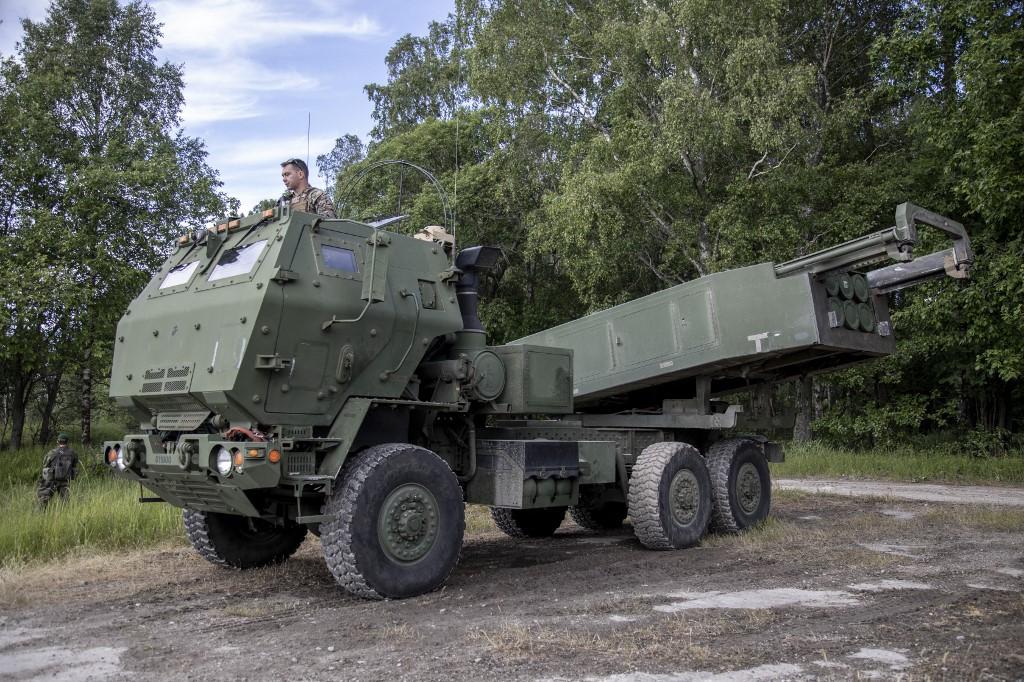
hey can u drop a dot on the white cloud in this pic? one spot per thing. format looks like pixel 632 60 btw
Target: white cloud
pixel 226 89
pixel 11 14
pixel 274 150
pixel 231 50
pixel 228 26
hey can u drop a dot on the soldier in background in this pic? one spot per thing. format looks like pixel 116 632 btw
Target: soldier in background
pixel 300 194
pixel 59 466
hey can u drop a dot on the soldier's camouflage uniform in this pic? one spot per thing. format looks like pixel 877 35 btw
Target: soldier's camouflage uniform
pixel 59 466
pixel 313 200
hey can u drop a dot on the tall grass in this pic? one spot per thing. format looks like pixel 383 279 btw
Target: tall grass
pixel 906 463
pixel 101 514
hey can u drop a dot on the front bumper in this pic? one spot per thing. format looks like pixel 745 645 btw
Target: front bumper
pixel 186 474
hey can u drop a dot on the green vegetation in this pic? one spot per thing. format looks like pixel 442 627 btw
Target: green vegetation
pixel 96 179
pixel 611 149
pixel 101 514
pixel 614 149
pixel 941 463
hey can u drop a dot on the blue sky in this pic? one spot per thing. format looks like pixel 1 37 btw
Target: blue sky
pixel 254 69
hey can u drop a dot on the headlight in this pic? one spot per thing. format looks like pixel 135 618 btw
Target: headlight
pixel 119 458
pixel 223 461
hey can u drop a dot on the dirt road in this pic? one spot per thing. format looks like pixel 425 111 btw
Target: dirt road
pixel 830 588
pixel 924 492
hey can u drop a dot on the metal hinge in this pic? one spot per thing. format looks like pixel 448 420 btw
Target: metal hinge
pixel 283 276
pixel 273 362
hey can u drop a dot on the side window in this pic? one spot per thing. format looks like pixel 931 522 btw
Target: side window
pixel 338 254
pixel 338 258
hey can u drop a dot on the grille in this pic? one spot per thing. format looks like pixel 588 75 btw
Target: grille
pixel 175 386
pixel 154 374
pixel 296 432
pixel 177 373
pixel 301 464
pixel 172 403
pixel 152 387
pixel 181 421
pixel 193 494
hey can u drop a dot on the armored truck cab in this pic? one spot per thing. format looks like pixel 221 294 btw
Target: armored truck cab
pixel 293 374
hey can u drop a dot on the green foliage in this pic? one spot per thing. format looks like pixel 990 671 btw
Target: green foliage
pixel 101 514
pixel 97 179
pixel 921 460
pixel 614 149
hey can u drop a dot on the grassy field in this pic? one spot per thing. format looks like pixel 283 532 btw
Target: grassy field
pixel 940 465
pixel 103 513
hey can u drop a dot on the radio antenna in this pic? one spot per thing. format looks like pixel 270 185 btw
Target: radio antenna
pixel 455 101
pixel 309 122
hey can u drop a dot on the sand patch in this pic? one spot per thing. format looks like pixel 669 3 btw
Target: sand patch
pixel 891 584
pixel 57 663
pixel 761 672
pixel 896 660
pixel 897 550
pixel 1012 572
pixel 898 514
pixel 758 599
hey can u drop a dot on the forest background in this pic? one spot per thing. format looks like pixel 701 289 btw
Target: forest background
pixel 610 148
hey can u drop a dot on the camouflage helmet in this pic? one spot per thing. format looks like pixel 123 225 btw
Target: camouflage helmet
pixel 62 438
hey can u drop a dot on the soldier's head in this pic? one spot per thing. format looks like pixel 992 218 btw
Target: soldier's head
pixel 295 174
pixel 62 439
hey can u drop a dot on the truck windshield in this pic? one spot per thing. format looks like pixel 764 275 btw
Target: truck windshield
pixel 237 261
pixel 179 274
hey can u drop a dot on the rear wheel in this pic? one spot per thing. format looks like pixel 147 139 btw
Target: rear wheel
pixel 396 525
pixel 741 485
pixel 670 496
pixel 240 541
pixel 599 516
pixel 528 523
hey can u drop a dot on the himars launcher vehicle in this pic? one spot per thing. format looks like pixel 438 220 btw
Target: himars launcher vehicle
pixel 291 373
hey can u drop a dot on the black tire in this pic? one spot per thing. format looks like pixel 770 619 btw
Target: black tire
pixel 670 496
pixel 741 485
pixel 528 523
pixel 396 526
pixel 240 541
pixel 601 516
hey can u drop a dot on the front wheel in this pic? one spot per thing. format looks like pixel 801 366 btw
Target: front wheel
pixel 670 496
pixel 240 541
pixel 396 525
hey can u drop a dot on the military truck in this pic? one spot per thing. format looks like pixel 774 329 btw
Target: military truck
pixel 295 374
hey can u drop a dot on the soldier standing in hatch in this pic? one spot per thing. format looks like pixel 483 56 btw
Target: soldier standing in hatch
pixel 59 466
pixel 300 194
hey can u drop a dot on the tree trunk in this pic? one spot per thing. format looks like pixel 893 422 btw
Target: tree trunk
pixel 87 401
pixel 52 383
pixel 22 388
pixel 804 409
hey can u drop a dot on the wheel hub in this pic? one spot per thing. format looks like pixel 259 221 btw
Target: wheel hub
pixel 748 488
pixel 684 497
pixel 407 525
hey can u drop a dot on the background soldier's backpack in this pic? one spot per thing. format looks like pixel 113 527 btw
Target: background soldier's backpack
pixel 61 466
